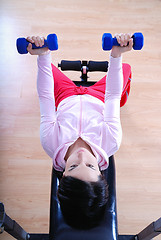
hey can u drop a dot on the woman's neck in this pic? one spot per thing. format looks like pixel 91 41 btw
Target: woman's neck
pixel 77 144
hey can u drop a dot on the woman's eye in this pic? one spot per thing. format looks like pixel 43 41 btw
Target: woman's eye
pixel 73 166
pixel 90 165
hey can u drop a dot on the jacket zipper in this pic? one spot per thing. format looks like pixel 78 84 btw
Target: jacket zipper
pixel 80 123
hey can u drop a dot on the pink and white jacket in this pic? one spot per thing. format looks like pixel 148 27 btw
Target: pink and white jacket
pixel 85 116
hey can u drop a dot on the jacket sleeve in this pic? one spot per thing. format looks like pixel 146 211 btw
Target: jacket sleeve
pixel 45 89
pixel 114 85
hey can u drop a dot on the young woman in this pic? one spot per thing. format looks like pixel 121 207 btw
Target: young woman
pixel 80 129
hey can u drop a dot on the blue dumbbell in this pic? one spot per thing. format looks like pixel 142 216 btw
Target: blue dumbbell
pixel 108 41
pixel 51 42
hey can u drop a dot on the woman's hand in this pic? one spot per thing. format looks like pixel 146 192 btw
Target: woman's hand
pixel 39 42
pixel 126 44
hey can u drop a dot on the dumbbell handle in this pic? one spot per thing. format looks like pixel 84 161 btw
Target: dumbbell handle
pixel 115 42
pixel 35 47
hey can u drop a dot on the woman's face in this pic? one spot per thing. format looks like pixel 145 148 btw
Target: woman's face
pixel 82 164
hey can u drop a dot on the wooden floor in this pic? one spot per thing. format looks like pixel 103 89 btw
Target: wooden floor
pixel 25 169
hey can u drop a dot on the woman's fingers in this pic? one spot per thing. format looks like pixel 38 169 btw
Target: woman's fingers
pixel 29 49
pixel 38 41
pixel 130 44
pixel 123 39
pixel 42 41
pixel 29 39
pixel 125 44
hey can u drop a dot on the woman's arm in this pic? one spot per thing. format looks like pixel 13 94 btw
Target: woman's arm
pixel 114 85
pixel 45 89
pixel 45 83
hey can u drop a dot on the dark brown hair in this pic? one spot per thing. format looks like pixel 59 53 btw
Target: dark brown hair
pixel 82 203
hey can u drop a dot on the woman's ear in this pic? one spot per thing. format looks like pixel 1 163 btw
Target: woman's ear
pixel 63 173
pixel 100 169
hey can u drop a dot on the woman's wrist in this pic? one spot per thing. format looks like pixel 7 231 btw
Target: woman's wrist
pixel 115 55
pixel 116 52
pixel 45 52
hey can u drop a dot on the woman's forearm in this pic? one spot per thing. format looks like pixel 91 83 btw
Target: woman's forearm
pixel 45 86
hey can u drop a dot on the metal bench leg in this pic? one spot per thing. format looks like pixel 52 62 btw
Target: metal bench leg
pixel 11 226
pixel 150 231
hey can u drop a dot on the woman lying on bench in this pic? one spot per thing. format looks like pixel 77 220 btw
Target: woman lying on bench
pixel 80 129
